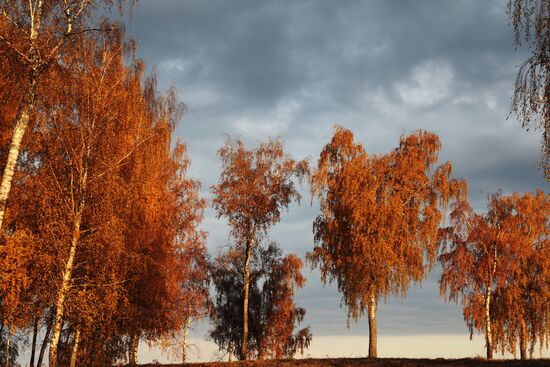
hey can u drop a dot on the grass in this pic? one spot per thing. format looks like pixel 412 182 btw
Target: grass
pixel 357 362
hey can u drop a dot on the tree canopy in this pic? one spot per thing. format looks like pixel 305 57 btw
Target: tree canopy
pixel 379 218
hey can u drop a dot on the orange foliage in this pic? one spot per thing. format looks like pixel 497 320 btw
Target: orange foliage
pixel 253 188
pixel 105 210
pixel 497 266
pixel 379 217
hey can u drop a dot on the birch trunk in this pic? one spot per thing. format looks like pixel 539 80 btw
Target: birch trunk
pixel 523 341
pixel 26 107
pixel 488 335
pixel 66 281
pixel 488 332
pixel 21 123
pixel 37 63
pixel 33 345
pixel 372 326
pixel 7 353
pixel 184 345
pixel 246 286
pixel 132 353
pixel 64 290
pixel 74 352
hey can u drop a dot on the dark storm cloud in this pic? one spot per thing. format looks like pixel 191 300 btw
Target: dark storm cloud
pixel 261 52
pixel 381 68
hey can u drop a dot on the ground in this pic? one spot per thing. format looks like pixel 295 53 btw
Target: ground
pixel 385 362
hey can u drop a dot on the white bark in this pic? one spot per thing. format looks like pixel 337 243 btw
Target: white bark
pixel 21 124
pixel 488 332
pixel 37 63
pixel 488 335
pixel 133 352
pixel 26 108
pixel 372 326
pixel 184 345
pixel 63 292
pixel 74 352
pixel 246 285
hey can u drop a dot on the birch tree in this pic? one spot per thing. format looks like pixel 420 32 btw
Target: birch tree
pixel 380 214
pixel 254 186
pixel 168 284
pixel 93 127
pixel 33 33
pixel 494 265
pixel 522 306
pixel 193 301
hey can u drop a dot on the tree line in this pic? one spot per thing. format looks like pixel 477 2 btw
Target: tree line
pixel 100 239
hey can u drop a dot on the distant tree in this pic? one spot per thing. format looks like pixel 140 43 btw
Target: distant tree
pixel 253 188
pixel 273 315
pixel 380 214
pixel 496 265
pixel 193 299
pixel 522 307
pixel 280 315
pixel 226 275
pixel 531 101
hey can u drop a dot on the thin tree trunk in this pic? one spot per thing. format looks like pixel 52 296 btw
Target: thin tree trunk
pixel 246 286
pixel 523 341
pixel 184 345
pixel 44 344
pixel 8 340
pixel 33 345
pixel 21 123
pixel 74 352
pixel 488 334
pixel 78 209
pixel 488 331
pixel 372 326
pixel 133 352
pixel 64 290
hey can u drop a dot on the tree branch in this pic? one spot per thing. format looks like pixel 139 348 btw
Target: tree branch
pixel 24 58
pixel 121 160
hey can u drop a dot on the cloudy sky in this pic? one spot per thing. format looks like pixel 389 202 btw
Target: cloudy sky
pixel 380 68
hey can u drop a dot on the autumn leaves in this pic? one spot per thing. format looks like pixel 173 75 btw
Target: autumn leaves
pixel 380 228
pixel 380 214
pixel 497 265
pixel 101 245
pixel 254 186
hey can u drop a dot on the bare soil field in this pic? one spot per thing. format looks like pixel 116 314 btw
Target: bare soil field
pixel 381 362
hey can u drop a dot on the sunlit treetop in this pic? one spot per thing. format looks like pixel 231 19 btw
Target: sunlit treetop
pixel 380 215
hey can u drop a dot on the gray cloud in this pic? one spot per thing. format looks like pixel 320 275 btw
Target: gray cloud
pixel 380 68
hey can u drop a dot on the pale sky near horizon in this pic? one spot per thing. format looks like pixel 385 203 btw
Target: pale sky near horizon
pixel 380 68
